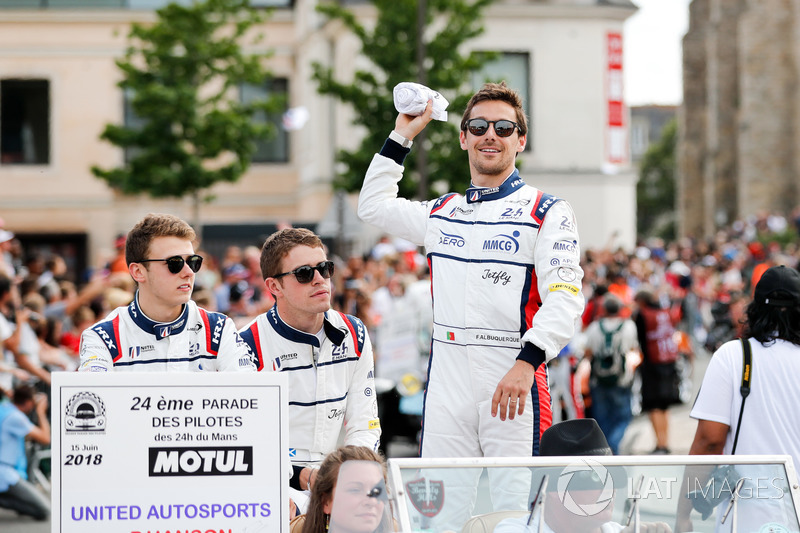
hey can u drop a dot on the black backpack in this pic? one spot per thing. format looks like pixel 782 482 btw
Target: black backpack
pixel 608 364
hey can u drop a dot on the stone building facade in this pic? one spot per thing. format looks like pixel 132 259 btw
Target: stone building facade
pixel 740 116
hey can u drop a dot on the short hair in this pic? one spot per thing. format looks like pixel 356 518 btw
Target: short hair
pixel 326 479
pixel 611 304
pixel 647 298
pixel 23 393
pixel 279 244
pixel 502 92
pixel 137 244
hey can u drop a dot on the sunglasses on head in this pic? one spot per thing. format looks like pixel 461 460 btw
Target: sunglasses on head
pixel 479 126
pixel 176 262
pixel 305 273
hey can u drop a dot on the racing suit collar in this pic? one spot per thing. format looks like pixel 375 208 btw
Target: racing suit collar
pixel 511 184
pixel 286 331
pixel 159 329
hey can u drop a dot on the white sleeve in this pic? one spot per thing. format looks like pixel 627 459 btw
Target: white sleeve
pixel 5 329
pixel 379 205
pixel 94 354
pixel 630 336
pixel 234 354
pixel 715 397
pixel 362 426
pixel 557 263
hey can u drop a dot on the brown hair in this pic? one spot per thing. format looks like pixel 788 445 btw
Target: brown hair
pixel 502 92
pixel 23 393
pixel 137 245
pixel 280 243
pixel 325 482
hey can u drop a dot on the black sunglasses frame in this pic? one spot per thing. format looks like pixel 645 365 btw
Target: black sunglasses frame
pixel 175 263
pixel 305 273
pixel 480 131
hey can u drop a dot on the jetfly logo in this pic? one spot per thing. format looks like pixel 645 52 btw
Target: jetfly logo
pixel 502 243
pixel 201 461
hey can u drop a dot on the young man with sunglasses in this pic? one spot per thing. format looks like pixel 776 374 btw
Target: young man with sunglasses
pixel 327 354
pixel 163 329
pixel 506 284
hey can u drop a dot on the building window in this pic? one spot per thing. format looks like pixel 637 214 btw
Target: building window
pixel 132 121
pixel 24 122
pixel 514 68
pixel 276 148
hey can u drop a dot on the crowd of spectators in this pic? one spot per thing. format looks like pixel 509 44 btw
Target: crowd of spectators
pixel 706 282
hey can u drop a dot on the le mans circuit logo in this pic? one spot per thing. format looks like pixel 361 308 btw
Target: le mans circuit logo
pixel 85 413
pixel 583 470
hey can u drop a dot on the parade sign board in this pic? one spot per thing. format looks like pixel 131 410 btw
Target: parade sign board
pixel 170 452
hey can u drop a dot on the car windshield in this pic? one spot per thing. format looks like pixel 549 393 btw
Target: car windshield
pixel 687 493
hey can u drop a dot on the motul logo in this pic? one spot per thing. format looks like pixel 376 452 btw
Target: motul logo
pixel 201 461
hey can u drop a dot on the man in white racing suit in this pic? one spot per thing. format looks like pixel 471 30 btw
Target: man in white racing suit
pixel 327 355
pixel 162 329
pixel 506 284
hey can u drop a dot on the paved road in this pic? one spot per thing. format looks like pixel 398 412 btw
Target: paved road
pixel 639 439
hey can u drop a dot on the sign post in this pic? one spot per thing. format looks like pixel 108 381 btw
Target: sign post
pixel 169 452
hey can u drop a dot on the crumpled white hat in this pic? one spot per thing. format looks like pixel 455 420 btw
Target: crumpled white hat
pixel 412 98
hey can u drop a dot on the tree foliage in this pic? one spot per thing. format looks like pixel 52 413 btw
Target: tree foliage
pixel 182 74
pixel 391 47
pixel 655 192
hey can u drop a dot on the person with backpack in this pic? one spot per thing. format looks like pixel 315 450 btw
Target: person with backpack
pixel 608 342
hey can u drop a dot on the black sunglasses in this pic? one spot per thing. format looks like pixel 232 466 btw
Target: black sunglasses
pixel 305 273
pixel 479 126
pixel 176 262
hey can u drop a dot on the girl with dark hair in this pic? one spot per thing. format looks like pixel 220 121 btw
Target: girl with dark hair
pixel 361 494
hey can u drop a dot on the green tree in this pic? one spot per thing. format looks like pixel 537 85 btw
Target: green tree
pixel 392 47
pixel 655 192
pixel 182 74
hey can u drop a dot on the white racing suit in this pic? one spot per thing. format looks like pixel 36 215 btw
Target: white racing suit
pixel 506 284
pixel 331 384
pixel 198 340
